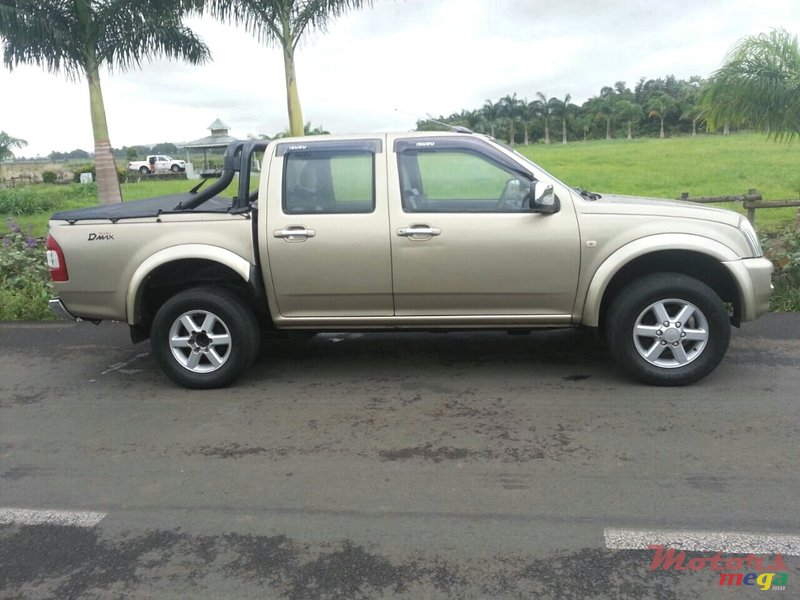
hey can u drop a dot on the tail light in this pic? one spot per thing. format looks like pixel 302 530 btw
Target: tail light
pixel 55 260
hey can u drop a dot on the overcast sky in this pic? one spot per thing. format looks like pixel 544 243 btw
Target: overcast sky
pixel 382 67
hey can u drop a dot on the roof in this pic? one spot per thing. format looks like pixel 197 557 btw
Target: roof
pixel 218 125
pixel 219 137
pixel 210 141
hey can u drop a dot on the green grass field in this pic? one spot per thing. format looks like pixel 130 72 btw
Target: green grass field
pixel 708 165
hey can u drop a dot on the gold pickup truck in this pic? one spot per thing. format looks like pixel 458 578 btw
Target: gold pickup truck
pixel 398 231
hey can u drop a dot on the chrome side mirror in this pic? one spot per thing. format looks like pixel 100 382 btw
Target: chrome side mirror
pixel 544 199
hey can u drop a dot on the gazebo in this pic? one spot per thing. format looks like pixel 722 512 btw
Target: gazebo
pixel 219 138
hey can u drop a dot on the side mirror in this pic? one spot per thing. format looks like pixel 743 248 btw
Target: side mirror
pixel 543 199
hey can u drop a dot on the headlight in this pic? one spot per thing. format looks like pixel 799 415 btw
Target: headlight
pixel 750 235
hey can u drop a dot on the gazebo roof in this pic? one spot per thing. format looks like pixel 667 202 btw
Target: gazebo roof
pixel 219 137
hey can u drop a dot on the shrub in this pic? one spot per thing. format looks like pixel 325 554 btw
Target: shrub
pixel 122 172
pixel 784 252
pixel 25 284
pixel 49 177
pixel 33 199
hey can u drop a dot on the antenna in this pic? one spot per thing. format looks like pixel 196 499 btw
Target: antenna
pixel 454 128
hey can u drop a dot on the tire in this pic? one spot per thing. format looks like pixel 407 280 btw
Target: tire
pixel 679 353
pixel 174 168
pixel 179 338
pixel 144 171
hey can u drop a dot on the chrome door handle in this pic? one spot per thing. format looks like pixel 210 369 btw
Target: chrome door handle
pixel 418 230
pixel 298 233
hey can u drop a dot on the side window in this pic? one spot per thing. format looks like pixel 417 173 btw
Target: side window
pixel 458 181
pixel 328 182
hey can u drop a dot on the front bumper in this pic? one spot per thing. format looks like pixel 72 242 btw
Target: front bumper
pixel 60 311
pixel 754 280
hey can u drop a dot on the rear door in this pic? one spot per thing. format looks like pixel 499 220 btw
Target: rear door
pixel 465 244
pixel 328 229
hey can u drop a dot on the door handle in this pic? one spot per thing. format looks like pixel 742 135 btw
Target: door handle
pixel 418 230
pixel 294 234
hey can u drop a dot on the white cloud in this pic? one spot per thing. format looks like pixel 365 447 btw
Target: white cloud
pixel 418 56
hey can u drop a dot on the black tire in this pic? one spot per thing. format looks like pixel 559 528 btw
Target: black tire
pixel 174 168
pixel 144 171
pixel 679 353
pixel 223 342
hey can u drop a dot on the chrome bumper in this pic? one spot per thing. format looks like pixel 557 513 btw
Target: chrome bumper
pixel 60 311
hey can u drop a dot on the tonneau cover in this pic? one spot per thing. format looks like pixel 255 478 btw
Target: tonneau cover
pixel 150 207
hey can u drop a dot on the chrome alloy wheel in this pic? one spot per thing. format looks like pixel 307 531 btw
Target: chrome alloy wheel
pixel 670 333
pixel 200 341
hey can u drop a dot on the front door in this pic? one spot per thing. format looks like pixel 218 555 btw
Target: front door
pixel 328 229
pixel 464 242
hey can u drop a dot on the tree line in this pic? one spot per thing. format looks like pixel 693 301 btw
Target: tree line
pixel 654 107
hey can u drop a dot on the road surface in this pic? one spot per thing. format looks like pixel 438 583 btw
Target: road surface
pixel 410 465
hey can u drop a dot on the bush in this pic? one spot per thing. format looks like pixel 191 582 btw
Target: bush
pixel 49 177
pixel 33 199
pixel 25 284
pixel 122 172
pixel 784 252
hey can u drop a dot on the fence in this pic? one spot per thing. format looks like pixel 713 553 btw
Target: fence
pixel 751 201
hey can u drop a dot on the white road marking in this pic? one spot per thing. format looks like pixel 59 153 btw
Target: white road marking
pixel 66 518
pixel 732 542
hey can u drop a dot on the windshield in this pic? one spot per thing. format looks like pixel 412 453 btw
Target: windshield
pixel 532 166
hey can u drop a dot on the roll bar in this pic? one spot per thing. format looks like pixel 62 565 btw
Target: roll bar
pixel 236 160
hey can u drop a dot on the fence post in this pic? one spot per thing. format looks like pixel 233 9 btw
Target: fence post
pixel 751 212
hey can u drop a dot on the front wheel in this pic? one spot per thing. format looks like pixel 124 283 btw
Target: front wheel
pixel 204 338
pixel 668 329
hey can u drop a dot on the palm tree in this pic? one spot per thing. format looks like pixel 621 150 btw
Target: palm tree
pixel 759 85
pixel 527 113
pixel 605 109
pixel 510 111
pixel 284 22
pixel 491 114
pixel 78 37
pixel 562 109
pixel 660 104
pixel 544 109
pixel 7 143
pixel 629 112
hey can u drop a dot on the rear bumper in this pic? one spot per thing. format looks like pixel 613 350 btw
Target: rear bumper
pixel 60 311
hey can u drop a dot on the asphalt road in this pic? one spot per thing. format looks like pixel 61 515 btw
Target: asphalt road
pixel 406 465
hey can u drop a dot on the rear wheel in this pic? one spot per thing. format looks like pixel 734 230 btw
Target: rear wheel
pixel 144 171
pixel 204 337
pixel 668 329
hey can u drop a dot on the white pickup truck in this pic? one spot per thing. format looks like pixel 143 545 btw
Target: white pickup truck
pixel 423 231
pixel 156 163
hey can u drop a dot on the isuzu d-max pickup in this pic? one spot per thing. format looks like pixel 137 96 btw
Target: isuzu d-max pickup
pixel 407 231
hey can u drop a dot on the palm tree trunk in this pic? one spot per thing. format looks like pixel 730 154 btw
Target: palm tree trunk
pixel 726 129
pixel 563 131
pixel 296 127
pixel 527 137
pixel 104 165
pixel 661 135
pixel 511 135
pixel 630 132
pixel 546 131
pixel 608 128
